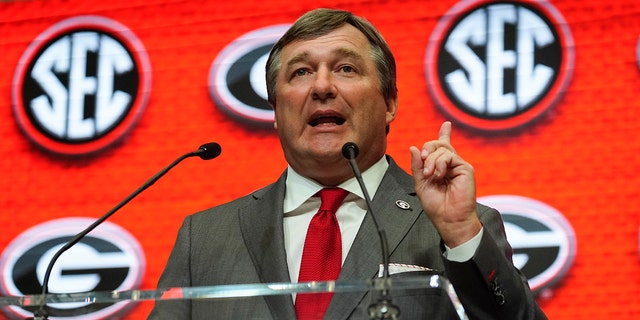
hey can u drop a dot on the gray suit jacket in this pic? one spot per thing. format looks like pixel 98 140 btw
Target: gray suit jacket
pixel 242 242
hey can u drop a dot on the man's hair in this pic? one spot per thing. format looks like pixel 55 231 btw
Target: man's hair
pixel 319 22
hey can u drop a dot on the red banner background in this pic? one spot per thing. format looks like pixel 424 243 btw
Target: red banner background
pixel 582 157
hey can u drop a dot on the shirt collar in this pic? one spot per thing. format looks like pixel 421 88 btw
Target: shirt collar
pixel 299 189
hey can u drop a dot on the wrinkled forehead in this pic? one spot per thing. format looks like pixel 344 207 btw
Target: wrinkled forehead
pixel 345 41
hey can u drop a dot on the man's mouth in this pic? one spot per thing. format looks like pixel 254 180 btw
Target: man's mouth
pixel 326 119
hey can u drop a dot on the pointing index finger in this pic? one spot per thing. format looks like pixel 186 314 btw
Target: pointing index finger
pixel 445 132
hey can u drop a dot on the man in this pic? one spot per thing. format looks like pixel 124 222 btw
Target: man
pixel 330 80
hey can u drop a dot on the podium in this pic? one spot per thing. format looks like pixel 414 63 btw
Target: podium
pixel 432 281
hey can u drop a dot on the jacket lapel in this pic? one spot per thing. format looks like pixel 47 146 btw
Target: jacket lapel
pixel 365 256
pixel 262 230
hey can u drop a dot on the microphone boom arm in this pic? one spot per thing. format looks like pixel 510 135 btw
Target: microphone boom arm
pixel 381 233
pixel 383 308
pixel 206 151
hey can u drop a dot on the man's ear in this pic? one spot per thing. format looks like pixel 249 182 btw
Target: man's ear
pixel 275 122
pixel 392 108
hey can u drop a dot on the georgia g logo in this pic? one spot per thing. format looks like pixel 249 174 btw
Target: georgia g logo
pixel 498 65
pixel 237 76
pixel 543 241
pixel 108 259
pixel 81 85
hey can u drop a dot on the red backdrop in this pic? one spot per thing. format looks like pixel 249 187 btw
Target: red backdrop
pixel 580 158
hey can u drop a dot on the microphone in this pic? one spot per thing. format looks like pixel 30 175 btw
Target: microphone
pixel 383 308
pixel 206 151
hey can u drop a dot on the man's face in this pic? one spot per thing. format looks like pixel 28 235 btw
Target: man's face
pixel 328 93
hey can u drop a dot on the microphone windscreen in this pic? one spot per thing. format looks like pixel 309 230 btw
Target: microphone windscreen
pixel 209 151
pixel 350 150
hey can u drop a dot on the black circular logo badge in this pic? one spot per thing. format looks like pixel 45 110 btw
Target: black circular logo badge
pixel 107 259
pixel 498 65
pixel 237 76
pixel 81 85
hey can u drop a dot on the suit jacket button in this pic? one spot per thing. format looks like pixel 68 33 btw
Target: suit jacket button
pixel 497 292
pixel 499 298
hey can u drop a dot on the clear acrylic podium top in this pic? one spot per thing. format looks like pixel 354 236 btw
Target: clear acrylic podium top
pixel 242 290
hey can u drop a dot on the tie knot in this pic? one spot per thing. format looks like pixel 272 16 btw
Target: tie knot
pixel 332 198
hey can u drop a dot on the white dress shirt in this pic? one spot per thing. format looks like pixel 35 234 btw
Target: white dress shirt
pixel 300 205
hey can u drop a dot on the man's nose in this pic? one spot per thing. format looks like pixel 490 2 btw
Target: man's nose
pixel 323 85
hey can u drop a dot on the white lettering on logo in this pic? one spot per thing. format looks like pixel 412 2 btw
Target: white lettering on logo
pixel 62 110
pixel 480 84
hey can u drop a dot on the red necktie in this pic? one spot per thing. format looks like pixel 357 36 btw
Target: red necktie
pixel 322 254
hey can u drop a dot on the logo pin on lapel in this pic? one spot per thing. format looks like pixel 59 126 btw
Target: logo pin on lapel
pixel 403 205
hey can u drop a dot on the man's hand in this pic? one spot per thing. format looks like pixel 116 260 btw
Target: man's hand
pixel 445 184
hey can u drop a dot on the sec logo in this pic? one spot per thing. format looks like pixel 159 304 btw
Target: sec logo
pixel 499 65
pixel 543 241
pixel 81 85
pixel 237 76
pixel 107 259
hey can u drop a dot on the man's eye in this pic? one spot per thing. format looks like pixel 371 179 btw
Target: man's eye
pixel 347 69
pixel 300 72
